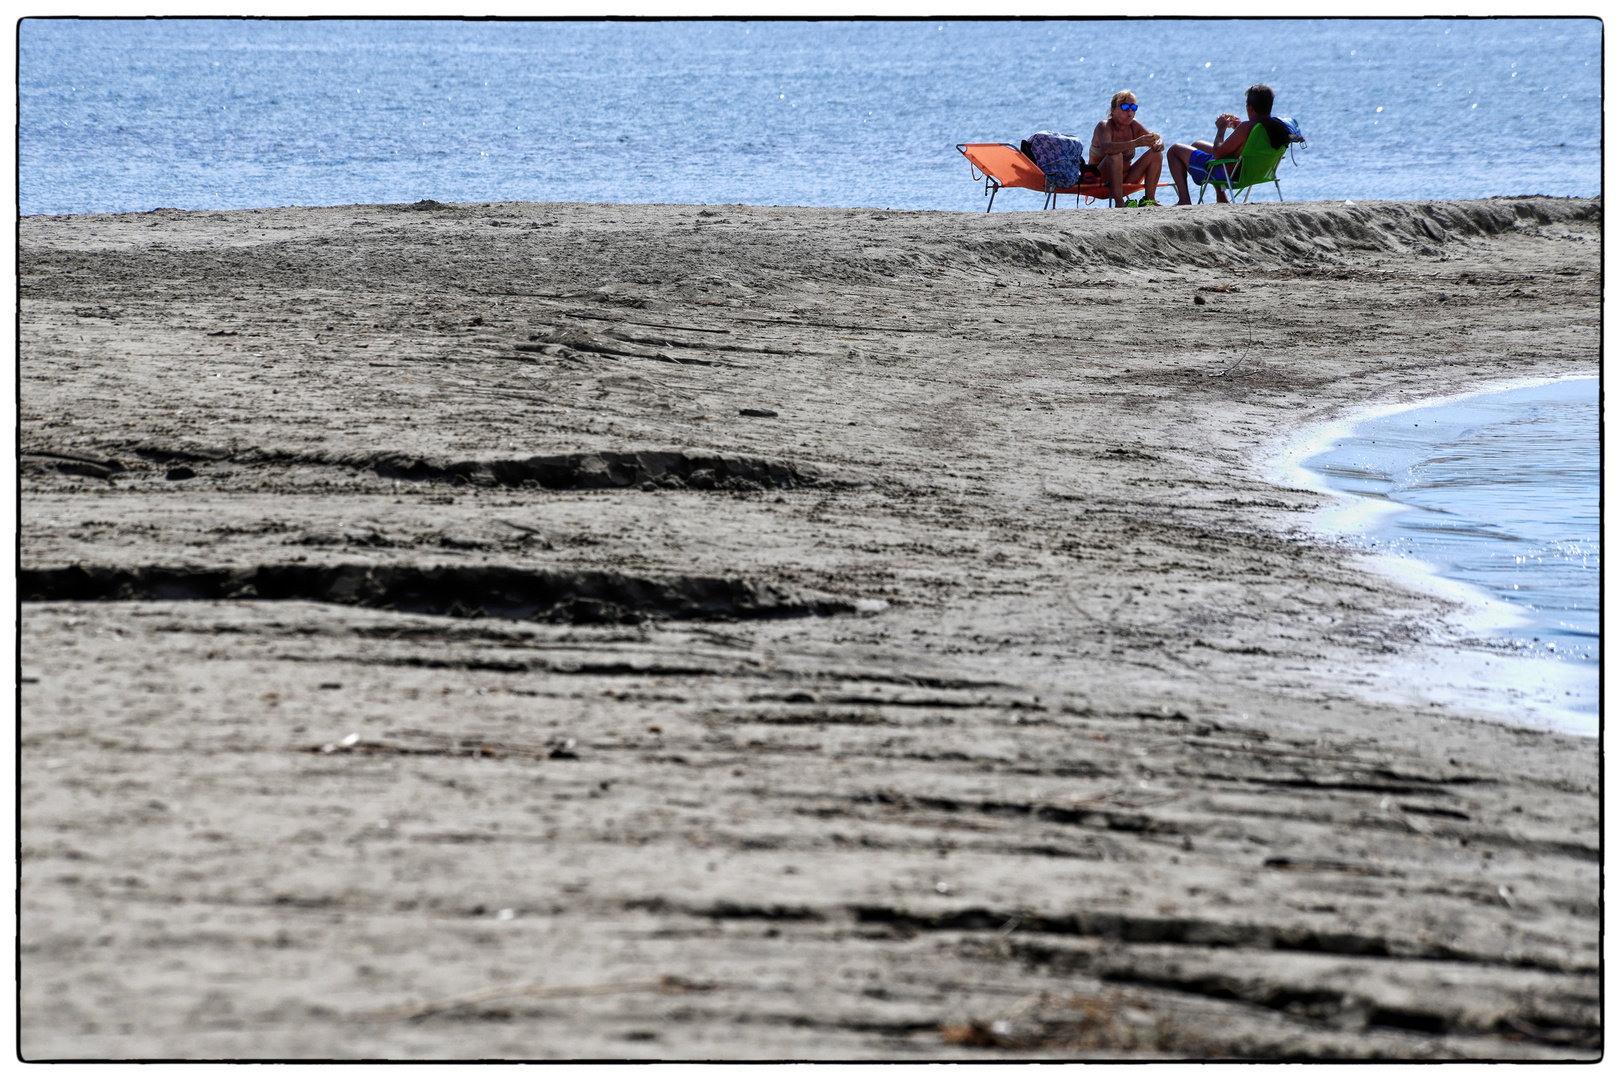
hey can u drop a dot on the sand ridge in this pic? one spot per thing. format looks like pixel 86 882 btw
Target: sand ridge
pixel 1079 758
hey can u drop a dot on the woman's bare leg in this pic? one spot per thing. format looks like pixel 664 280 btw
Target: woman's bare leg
pixel 1145 171
pixel 1113 177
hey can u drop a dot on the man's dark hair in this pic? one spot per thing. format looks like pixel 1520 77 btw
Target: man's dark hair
pixel 1260 97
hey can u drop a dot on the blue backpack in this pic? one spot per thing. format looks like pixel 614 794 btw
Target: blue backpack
pixel 1294 134
pixel 1061 157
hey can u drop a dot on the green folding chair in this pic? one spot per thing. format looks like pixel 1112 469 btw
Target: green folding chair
pixel 1255 164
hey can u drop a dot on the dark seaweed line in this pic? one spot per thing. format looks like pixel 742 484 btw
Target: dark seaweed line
pixel 570 596
pixel 593 470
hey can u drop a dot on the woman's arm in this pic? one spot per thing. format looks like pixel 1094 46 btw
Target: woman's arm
pixel 1101 142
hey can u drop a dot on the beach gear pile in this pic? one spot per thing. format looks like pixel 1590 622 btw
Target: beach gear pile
pixel 1295 135
pixel 1061 157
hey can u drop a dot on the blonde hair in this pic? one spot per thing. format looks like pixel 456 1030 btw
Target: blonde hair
pixel 1117 98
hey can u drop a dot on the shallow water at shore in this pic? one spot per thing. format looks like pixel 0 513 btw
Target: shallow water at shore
pixel 1496 493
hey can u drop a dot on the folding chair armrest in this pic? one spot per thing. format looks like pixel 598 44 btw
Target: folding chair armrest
pixel 1226 180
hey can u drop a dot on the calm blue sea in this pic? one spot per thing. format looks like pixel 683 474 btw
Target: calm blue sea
pixel 197 114
pixel 1500 492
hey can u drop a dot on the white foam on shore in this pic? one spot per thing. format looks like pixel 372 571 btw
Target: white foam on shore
pixel 1518 690
pixel 1288 455
pixel 1523 690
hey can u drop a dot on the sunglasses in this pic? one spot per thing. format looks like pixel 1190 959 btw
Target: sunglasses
pixel 1127 107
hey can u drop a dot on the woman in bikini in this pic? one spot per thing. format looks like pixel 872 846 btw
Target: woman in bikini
pixel 1115 142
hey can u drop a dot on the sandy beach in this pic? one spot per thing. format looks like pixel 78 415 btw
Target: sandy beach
pixel 529 630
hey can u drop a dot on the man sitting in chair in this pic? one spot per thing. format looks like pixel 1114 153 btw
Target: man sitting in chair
pixel 1115 142
pixel 1194 160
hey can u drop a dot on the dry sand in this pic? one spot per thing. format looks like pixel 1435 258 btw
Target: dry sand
pixel 495 688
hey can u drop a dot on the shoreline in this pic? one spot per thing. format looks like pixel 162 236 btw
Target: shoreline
pixel 1521 691
pixel 1121 744
pixel 1288 471
pixel 1350 517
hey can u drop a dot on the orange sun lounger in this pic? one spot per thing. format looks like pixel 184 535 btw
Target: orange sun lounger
pixel 1005 166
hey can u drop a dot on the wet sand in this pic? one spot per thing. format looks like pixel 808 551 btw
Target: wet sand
pixel 426 655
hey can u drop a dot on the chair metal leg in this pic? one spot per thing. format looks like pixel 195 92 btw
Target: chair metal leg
pixel 1279 191
pixel 993 193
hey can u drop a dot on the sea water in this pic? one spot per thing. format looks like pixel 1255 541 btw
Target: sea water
pixel 1496 493
pixel 216 114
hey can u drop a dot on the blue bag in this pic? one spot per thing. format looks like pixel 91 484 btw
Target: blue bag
pixel 1061 157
